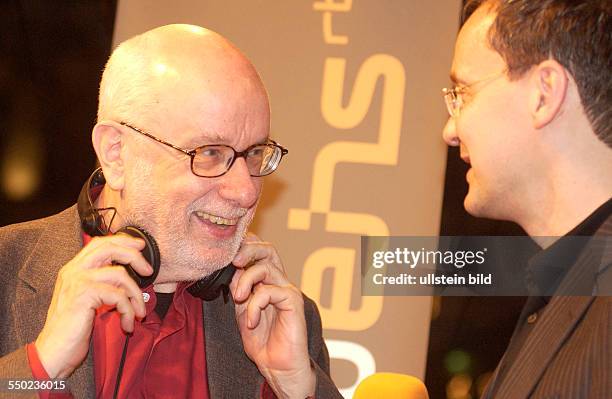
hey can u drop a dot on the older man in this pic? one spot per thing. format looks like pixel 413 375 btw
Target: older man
pixel 182 140
pixel 532 114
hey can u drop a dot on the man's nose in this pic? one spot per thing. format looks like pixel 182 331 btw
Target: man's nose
pixel 449 134
pixel 239 186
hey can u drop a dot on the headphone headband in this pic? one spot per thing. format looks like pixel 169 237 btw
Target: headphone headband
pixel 92 222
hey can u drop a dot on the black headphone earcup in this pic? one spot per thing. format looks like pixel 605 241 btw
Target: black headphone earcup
pixel 150 252
pixel 92 223
pixel 211 286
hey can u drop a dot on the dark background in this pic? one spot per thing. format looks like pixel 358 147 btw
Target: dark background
pixel 51 58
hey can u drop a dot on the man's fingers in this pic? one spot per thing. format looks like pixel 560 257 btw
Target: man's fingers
pixel 260 273
pixel 253 251
pixel 113 296
pixel 111 252
pixel 282 298
pixel 83 285
pixel 123 240
pixel 117 276
pixel 234 283
pixel 261 298
pixel 251 237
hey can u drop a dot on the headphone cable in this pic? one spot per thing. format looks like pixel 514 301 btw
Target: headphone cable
pixel 121 364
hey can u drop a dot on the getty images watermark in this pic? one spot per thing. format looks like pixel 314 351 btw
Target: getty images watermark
pixel 484 265
pixel 411 258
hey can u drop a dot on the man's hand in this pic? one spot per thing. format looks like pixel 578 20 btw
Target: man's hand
pixel 270 314
pixel 84 284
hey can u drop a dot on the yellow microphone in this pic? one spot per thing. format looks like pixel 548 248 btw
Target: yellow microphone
pixel 391 386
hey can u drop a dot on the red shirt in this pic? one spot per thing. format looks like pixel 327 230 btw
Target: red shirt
pixel 163 359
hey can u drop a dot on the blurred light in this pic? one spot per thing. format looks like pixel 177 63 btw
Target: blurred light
pixel 482 381
pixel 457 361
pixel 459 387
pixel 21 166
pixel 19 181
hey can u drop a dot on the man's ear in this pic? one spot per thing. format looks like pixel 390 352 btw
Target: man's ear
pixel 107 139
pixel 549 83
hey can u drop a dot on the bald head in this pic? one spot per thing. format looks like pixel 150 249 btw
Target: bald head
pixel 146 74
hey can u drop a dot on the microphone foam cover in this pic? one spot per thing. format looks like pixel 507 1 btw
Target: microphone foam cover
pixel 391 386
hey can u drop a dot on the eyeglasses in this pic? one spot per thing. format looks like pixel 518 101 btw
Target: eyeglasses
pixel 453 97
pixel 216 159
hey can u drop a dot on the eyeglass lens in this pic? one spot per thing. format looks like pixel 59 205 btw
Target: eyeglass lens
pixel 453 101
pixel 214 160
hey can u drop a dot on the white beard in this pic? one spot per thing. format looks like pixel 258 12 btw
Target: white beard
pixel 183 258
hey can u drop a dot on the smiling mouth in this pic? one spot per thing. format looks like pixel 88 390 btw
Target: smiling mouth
pixel 465 158
pixel 218 220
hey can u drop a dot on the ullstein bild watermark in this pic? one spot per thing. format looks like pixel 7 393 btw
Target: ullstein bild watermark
pixel 486 265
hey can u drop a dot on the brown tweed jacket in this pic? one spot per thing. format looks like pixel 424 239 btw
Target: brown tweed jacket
pixel 568 354
pixel 31 255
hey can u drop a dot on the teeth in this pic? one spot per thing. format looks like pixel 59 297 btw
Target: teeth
pixel 217 219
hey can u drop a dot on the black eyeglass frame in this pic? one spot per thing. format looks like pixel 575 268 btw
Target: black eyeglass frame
pixel 193 152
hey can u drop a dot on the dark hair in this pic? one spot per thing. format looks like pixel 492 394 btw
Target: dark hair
pixel 576 33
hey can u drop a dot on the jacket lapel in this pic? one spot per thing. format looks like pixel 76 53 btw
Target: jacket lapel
pixel 59 241
pixel 560 316
pixel 557 322
pixel 225 357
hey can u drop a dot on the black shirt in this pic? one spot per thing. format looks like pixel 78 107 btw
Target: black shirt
pixel 164 300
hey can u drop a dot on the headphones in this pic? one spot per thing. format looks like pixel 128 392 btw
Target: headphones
pixel 92 223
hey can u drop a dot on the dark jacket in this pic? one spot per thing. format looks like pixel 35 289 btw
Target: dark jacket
pixel 568 354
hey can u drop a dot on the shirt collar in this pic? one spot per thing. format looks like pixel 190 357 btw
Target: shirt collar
pixel 547 268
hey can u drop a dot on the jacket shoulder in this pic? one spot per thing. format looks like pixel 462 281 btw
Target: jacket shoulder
pixel 18 240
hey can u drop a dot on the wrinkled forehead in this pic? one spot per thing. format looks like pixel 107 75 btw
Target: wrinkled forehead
pixel 204 101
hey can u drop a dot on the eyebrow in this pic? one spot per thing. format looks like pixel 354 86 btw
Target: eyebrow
pixel 218 141
pixel 211 139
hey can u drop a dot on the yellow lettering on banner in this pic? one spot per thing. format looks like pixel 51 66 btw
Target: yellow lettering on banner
pixel 328 31
pixel 338 315
pixel 361 358
pixel 375 66
pixel 331 5
pixel 385 152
